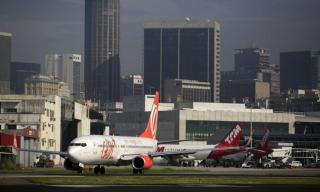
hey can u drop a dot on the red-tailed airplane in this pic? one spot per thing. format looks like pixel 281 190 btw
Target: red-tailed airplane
pixel 263 148
pixel 228 145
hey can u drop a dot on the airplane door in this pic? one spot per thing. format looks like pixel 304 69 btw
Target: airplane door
pixel 95 148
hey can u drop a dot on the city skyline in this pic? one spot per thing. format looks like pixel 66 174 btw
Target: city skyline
pixel 58 26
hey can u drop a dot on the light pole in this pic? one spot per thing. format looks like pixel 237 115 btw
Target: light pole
pixel 251 126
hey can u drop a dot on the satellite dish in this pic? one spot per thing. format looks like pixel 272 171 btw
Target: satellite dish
pixel 188 19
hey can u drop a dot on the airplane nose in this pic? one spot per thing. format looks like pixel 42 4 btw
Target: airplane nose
pixel 72 153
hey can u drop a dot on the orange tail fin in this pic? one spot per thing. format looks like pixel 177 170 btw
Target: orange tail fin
pixel 151 129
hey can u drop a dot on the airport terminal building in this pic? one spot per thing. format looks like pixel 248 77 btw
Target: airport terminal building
pixel 197 122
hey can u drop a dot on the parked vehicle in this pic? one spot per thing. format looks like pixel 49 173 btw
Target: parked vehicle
pixel 268 164
pixel 313 165
pixel 295 164
pixel 247 165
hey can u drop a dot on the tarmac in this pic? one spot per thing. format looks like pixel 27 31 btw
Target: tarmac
pixel 155 188
pixel 17 182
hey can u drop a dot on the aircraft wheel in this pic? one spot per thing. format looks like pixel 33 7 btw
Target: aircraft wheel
pixel 135 171
pixel 80 170
pixel 96 170
pixel 102 170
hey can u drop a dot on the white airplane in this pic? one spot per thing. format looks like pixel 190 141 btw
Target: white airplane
pixel 228 145
pixel 100 150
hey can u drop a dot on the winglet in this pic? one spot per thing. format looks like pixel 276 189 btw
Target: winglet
pixel 151 129
pixel 233 137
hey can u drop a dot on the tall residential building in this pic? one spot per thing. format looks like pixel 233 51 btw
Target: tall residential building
pixel 102 62
pixel 5 59
pixel 300 70
pixel 131 85
pixel 20 71
pixel 182 50
pixel 65 67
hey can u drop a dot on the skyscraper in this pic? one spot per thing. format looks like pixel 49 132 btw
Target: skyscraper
pixel 182 50
pixel 20 71
pixel 300 70
pixel 65 67
pixel 102 62
pixel 5 60
pixel 249 61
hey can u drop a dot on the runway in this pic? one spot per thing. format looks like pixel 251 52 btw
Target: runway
pixel 155 188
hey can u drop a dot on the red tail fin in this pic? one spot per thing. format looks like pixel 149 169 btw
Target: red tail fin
pixel 233 137
pixel 264 142
pixel 151 129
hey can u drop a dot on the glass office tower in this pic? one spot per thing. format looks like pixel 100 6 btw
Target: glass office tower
pixel 182 50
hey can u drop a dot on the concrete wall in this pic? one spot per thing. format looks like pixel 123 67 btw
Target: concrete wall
pixel 81 113
pixel 134 123
pixel 172 124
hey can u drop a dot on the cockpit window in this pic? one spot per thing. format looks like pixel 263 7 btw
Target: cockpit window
pixel 78 144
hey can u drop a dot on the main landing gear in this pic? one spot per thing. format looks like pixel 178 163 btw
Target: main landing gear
pixel 99 169
pixel 137 171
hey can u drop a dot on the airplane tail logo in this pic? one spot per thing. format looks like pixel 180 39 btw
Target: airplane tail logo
pixel 264 141
pixel 233 137
pixel 151 130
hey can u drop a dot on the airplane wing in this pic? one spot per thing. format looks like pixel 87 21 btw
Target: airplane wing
pixel 128 157
pixel 228 149
pixel 188 152
pixel 256 150
pixel 62 154
pixel 173 153
pixel 170 141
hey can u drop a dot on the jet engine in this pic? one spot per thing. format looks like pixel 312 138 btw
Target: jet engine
pixel 68 164
pixel 142 162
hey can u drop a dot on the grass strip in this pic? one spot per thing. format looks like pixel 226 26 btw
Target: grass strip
pixel 110 170
pixel 173 180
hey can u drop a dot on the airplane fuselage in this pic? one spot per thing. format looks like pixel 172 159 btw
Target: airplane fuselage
pixel 108 150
